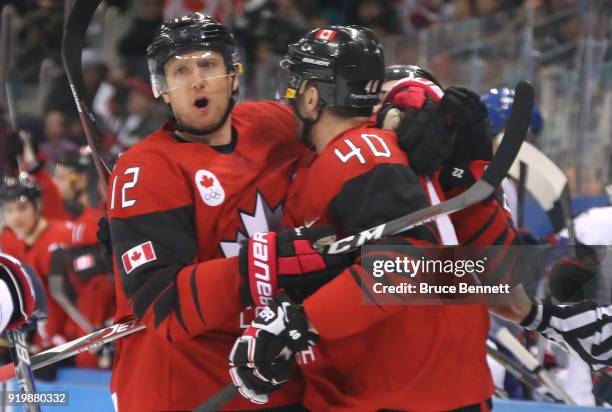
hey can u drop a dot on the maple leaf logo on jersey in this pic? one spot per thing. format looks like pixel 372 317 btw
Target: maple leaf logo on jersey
pixel 207 182
pixel 263 219
pixel 138 256
pixel 210 188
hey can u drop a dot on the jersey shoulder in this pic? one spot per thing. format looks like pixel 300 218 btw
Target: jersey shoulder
pixel 153 147
pixel 60 232
pixel 265 119
pixel 148 177
pixel 267 129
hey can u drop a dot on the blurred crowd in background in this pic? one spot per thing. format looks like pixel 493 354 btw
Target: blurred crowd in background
pixel 563 46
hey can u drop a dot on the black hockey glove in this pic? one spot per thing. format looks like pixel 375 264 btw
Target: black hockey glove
pixel 423 133
pixel 104 237
pixel 583 327
pixel 470 123
pixel 287 260
pixel 260 360
pixel 570 279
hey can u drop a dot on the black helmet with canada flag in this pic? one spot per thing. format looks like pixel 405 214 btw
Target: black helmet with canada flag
pixel 345 62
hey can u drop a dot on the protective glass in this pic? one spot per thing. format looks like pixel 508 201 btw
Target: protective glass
pixel 183 71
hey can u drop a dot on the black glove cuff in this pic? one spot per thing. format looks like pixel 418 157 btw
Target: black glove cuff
pixel 539 315
pixel 456 176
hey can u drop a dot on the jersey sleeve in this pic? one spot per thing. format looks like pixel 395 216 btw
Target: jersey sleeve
pixel 383 192
pixel 53 204
pixel 488 223
pixel 154 241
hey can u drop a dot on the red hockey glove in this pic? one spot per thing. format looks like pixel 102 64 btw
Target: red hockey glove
pixel 22 289
pixel 287 260
pixel 260 361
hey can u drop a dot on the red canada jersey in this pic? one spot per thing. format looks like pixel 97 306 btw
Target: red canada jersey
pixel 370 357
pixel 86 225
pixel 57 235
pixel 88 283
pixel 177 211
pixel 84 217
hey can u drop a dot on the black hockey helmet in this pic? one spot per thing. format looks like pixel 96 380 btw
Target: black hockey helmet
pixel 187 34
pixel 75 160
pixel 402 71
pixel 346 62
pixel 19 188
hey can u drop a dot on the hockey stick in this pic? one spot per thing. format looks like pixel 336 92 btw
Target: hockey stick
pixel 524 169
pixel 8 17
pixel 521 373
pixel 69 349
pixel 57 288
pixel 531 363
pixel 75 28
pixel 23 370
pixel 518 371
pixel 547 183
pixel 514 135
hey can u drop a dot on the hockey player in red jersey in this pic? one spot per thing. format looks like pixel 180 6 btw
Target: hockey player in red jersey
pixel 65 193
pixel 179 203
pixel 32 238
pixel 367 357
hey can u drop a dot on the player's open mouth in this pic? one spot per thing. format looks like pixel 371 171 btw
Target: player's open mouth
pixel 201 103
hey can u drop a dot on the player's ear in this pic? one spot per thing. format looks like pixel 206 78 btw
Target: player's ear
pixel 312 98
pixel 235 82
pixel 166 98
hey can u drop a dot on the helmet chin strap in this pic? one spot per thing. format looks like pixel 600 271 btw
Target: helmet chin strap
pixel 306 135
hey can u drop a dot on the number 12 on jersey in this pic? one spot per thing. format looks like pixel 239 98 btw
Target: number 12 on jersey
pixel 133 172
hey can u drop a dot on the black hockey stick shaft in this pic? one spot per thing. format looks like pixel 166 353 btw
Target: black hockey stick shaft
pixel 514 135
pixel 9 15
pixel 23 370
pixel 521 193
pixel 75 29
pixel 516 131
pixel 219 399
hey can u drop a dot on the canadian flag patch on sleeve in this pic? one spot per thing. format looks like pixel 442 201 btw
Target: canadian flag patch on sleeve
pixel 138 256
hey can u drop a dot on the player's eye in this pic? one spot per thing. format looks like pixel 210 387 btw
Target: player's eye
pixel 179 71
pixel 208 64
